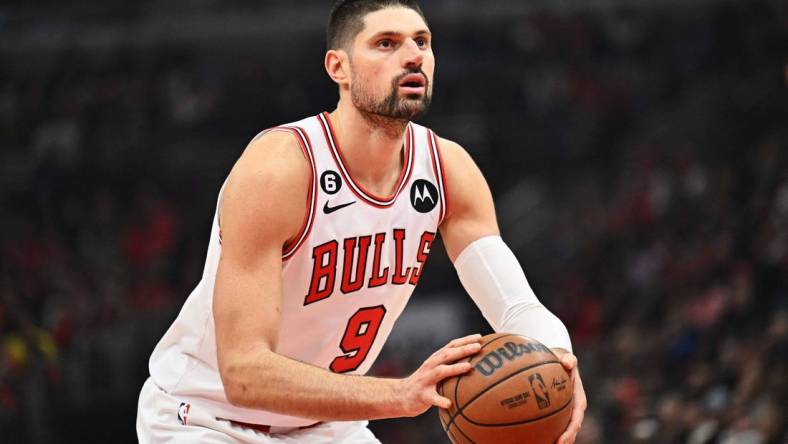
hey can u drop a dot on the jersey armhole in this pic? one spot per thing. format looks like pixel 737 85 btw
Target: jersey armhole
pixel 221 190
pixel 437 166
pixel 306 147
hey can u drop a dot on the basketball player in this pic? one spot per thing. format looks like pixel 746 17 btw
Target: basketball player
pixel 321 233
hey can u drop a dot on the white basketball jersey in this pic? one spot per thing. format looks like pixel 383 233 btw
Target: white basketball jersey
pixel 345 280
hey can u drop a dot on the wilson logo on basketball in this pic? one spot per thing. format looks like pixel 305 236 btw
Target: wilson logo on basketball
pixel 510 351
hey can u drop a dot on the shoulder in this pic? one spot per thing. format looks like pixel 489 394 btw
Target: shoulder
pixel 270 182
pixel 275 158
pixel 456 162
pixel 277 149
pixel 466 186
pixel 471 210
pixel 454 157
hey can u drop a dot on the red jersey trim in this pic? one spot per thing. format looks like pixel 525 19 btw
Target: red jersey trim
pixel 311 202
pixel 358 190
pixel 437 167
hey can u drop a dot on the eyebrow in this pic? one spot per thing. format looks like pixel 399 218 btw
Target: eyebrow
pixel 420 32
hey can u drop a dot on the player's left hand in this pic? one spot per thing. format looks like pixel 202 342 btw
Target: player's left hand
pixel 569 361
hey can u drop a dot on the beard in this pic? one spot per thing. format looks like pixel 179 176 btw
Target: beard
pixel 392 106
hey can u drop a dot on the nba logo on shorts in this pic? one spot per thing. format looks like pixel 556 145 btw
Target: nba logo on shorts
pixel 540 390
pixel 183 413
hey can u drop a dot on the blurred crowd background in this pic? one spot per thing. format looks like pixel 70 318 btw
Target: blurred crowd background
pixel 637 151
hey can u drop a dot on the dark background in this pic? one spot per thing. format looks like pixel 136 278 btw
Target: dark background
pixel 637 151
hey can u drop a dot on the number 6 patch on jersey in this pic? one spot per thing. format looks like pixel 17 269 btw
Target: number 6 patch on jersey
pixel 330 182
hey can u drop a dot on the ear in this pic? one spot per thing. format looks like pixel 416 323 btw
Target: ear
pixel 336 64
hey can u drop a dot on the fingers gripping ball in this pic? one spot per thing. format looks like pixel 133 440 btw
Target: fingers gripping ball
pixel 517 392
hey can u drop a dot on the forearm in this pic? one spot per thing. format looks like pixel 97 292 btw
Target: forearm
pixel 268 381
pixel 490 273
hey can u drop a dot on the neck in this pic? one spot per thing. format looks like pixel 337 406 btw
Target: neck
pixel 372 147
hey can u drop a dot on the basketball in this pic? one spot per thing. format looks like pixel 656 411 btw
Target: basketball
pixel 516 392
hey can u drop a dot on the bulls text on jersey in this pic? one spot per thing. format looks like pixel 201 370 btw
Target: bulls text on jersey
pixel 355 252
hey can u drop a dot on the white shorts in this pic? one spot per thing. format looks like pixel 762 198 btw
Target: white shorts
pixel 163 418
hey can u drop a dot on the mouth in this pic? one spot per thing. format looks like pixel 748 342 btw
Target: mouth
pixel 413 84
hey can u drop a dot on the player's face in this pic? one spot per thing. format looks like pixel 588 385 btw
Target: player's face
pixel 392 65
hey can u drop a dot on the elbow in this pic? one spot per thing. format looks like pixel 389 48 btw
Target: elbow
pixel 249 378
pixel 241 370
pixel 536 321
pixel 235 395
pixel 241 375
pixel 522 309
pixel 236 389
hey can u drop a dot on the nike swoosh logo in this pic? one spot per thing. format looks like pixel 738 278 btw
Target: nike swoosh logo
pixel 328 210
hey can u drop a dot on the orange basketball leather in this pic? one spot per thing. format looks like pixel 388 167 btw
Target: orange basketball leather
pixel 517 392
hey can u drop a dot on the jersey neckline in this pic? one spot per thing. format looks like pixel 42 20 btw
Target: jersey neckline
pixel 355 186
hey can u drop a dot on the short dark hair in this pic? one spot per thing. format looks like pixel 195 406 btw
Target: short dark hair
pixel 347 18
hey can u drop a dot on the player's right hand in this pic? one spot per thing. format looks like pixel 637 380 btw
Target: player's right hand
pixel 418 390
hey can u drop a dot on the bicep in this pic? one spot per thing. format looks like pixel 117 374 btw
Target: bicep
pixel 472 211
pixel 262 207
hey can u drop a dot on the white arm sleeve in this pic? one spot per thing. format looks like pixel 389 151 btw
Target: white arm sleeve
pixel 490 273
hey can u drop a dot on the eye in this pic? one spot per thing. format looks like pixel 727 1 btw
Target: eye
pixel 385 44
pixel 422 42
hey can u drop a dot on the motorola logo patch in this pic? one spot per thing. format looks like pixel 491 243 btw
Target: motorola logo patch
pixel 423 196
pixel 330 182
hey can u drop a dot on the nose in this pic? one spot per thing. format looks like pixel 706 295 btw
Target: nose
pixel 413 56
